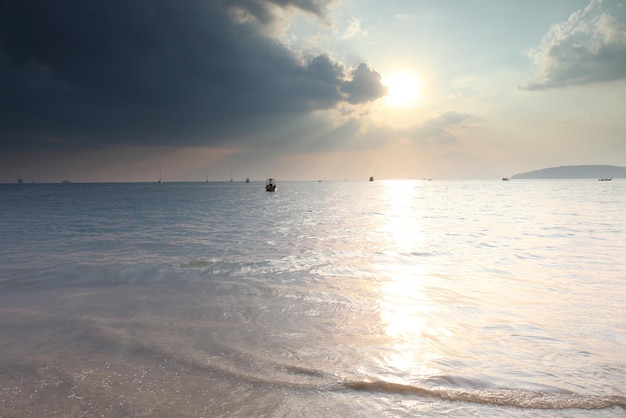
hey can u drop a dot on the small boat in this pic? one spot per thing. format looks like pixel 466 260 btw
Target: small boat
pixel 247 179
pixel 270 185
pixel 371 178
pixel 505 179
pixel 606 179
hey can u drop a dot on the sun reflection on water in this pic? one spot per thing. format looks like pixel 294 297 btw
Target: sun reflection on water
pixel 408 312
pixel 403 221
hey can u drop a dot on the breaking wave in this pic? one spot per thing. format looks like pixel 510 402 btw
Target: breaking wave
pixel 498 397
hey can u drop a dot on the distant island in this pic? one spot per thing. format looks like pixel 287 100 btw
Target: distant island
pixel 575 172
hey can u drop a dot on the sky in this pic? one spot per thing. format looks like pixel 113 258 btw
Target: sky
pixel 190 90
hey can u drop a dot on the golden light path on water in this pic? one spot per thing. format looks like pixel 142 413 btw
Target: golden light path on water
pixel 407 311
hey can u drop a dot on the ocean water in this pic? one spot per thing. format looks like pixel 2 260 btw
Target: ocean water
pixel 331 299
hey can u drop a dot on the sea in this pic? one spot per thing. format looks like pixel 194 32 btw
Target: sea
pixel 398 298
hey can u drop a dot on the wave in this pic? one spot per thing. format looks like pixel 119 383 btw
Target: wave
pixel 256 369
pixel 62 274
pixel 518 398
pixel 168 355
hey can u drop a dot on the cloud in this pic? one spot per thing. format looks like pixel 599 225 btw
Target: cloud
pixel 265 12
pixel 358 134
pixel 404 17
pixel 365 85
pixel 438 128
pixel 589 47
pixel 273 15
pixel 354 30
pixel 77 73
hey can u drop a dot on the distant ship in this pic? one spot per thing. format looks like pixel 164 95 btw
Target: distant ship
pixel 606 179
pixel 505 179
pixel 371 178
pixel 270 185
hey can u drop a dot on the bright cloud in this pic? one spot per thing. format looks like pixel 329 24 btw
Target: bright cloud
pixel 589 47
pixel 354 30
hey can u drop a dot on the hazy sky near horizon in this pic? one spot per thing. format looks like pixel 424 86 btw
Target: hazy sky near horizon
pixel 308 89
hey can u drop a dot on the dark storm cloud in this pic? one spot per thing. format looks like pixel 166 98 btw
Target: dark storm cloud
pixel 364 86
pixel 261 9
pixel 92 73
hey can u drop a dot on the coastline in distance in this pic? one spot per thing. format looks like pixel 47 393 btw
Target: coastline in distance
pixel 575 172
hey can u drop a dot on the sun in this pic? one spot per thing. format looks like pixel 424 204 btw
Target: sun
pixel 404 89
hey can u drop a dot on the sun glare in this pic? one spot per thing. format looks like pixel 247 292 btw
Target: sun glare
pixel 404 89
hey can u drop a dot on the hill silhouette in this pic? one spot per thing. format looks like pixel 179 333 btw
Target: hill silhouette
pixel 574 172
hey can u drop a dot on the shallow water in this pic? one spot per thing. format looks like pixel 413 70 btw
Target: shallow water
pixel 390 298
